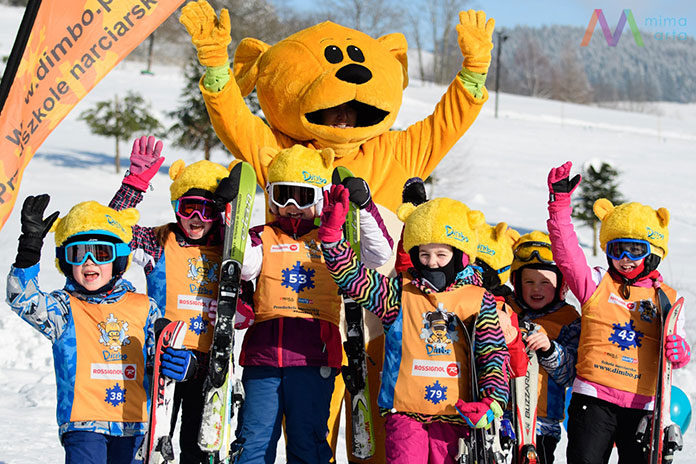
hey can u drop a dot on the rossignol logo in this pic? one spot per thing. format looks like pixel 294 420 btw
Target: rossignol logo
pixel 113 371
pixel 285 247
pixel 313 178
pixel 617 300
pixel 428 368
pixel 194 302
pixel 655 235
pixel 455 234
pixel 485 250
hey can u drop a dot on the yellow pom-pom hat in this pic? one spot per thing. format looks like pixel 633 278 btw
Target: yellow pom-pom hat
pixel 88 221
pixel 202 175
pixel 495 248
pixel 633 221
pixel 441 220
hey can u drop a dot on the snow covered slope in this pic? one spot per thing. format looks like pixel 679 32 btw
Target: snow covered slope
pixel 499 167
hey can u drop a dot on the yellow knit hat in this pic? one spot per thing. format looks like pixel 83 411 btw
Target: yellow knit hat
pixel 204 175
pixel 441 220
pixel 633 220
pixel 495 247
pixel 524 255
pixel 90 216
pixel 300 164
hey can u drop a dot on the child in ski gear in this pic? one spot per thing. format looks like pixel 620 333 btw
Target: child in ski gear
pixel 293 351
pixel 539 297
pixel 619 342
pixel 494 257
pixel 426 358
pixel 181 261
pixel 101 330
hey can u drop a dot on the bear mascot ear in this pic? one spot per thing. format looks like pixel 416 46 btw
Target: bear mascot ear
pixel 246 63
pixel 397 46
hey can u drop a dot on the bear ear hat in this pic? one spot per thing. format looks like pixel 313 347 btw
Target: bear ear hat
pixel 405 210
pixel 246 63
pixel 602 208
pixel 176 168
pixel 327 156
pixel 663 216
pixel 397 46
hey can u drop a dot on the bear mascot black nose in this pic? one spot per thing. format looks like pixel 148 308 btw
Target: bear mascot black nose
pixel 354 73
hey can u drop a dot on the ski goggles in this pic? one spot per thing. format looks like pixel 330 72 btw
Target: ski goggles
pixel 633 249
pixel 528 251
pixel 186 207
pixel 100 252
pixel 301 195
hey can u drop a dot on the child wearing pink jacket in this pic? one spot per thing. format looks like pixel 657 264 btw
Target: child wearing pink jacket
pixel 619 340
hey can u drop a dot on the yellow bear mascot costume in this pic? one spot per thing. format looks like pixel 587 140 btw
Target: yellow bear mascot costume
pixel 329 86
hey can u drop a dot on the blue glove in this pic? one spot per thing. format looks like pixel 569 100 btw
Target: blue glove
pixel 179 365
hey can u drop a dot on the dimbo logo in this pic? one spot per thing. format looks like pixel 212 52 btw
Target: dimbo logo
pixel 313 178
pixel 485 250
pixel 655 235
pixel 455 234
pixel 114 222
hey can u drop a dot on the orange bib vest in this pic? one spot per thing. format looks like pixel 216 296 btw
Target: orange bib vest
pixel 294 280
pixel 192 289
pixel 619 339
pixel 551 398
pixel 434 368
pixel 110 369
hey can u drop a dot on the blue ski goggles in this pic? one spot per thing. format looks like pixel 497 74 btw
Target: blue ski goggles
pixel 100 252
pixel 633 249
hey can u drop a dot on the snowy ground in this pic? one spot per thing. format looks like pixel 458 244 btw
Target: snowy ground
pixel 499 166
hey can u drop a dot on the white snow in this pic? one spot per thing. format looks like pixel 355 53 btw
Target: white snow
pixel 499 166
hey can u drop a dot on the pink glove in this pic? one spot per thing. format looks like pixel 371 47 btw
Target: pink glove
pixel 145 161
pixel 678 351
pixel 560 186
pixel 479 414
pixel 244 317
pixel 333 215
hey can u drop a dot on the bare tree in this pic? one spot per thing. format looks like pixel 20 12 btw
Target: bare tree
pixel 570 78
pixel 373 17
pixel 437 19
pixel 532 67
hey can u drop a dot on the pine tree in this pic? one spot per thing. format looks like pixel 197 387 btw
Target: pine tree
pixel 597 182
pixel 193 129
pixel 120 118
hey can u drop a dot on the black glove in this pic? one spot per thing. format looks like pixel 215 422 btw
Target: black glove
pixel 34 230
pixel 358 190
pixel 414 191
pixel 228 187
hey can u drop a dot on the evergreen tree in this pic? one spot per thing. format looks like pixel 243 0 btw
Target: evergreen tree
pixel 120 118
pixel 597 182
pixel 193 130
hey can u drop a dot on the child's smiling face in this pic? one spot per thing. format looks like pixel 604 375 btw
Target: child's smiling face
pixel 92 276
pixel 538 287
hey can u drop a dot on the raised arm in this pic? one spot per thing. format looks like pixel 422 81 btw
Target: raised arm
pixel 564 242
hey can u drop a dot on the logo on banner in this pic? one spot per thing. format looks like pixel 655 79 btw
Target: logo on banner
pixel 202 271
pixel 285 247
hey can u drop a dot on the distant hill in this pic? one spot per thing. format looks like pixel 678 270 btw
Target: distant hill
pixel 663 70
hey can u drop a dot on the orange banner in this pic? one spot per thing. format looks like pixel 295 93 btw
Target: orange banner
pixel 72 46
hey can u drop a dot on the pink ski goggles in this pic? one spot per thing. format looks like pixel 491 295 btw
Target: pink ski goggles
pixel 187 207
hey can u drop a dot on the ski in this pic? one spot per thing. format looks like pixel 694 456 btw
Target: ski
pixel 157 445
pixel 524 396
pixel 221 391
pixel 355 373
pixel 664 441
